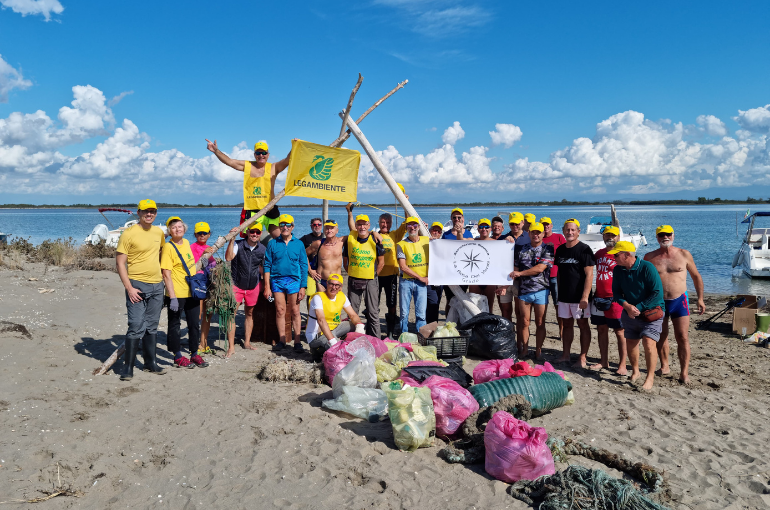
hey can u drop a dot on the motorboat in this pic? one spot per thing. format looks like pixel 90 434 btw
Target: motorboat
pixel 593 233
pixel 753 257
pixel 111 236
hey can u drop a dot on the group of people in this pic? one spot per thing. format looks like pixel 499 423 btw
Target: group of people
pixel 634 297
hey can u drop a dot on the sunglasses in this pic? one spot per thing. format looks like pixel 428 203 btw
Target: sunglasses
pixel 665 234
pixel 457 217
pixel 150 211
pixel 286 225
pixel 254 231
pixel 316 224
pixel 483 227
pixel 202 233
pixel 260 153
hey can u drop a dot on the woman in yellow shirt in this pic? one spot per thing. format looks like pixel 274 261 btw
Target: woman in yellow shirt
pixel 175 256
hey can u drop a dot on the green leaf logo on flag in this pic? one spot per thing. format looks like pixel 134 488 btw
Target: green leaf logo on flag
pixel 322 169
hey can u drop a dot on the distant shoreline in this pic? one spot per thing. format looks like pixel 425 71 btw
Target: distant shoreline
pixel 700 201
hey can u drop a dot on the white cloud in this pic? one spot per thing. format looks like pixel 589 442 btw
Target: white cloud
pixel 10 79
pixel 505 135
pixel 115 100
pixel 711 125
pixel 42 7
pixel 438 18
pixel 452 134
pixel 755 120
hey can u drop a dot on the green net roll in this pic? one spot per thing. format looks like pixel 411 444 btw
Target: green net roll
pixel 545 392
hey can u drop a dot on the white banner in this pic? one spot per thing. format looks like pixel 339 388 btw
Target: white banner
pixel 455 262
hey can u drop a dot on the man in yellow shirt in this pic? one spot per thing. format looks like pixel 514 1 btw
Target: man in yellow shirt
pixel 412 254
pixel 138 264
pixel 364 257
pixel 258 182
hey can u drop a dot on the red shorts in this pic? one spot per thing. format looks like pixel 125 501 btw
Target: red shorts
pixel 250 296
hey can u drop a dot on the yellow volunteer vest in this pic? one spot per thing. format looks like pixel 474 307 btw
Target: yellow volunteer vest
pixel 389 241
pixel 416 256
pixel 332 309
pixel 362 258
pixel 256 190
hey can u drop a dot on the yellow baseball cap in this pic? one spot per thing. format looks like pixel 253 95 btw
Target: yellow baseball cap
pixel 546 219
pixel 437 224
pixel 665 229
pixel 362 217
pixel 530 218
pixel 611 230
pixel 573 220
pixel 202 226
pixel 330 223
pixel 286 218
pixel 412 219
pixel 536 227
pixel 172 219
pixel 515 217
pixel 147 204
pixel 485 221
pixel 626 246
pixel 255 226
pixel 261 146
pixel 401 187
pixel 334 277
pixel 457 209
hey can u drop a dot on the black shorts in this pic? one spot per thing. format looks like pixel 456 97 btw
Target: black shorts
pixel 601 320
pixel 390 284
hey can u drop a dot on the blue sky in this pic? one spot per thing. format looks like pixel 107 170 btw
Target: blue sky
pixel 585 101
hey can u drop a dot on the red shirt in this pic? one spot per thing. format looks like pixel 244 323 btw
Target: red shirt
pixel 605 263
pixel 556 240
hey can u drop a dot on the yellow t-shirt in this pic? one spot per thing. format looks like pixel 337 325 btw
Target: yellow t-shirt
pixel 257 191
pixel 143 250
pixel 416 256
pixel 389 241
pixel 170 260
pixel 362 258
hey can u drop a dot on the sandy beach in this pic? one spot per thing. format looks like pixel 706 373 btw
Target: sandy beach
pixel 218 437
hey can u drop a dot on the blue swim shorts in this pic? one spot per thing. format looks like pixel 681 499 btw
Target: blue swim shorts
pixel 284 284
pixel 679 307
pixel 536 298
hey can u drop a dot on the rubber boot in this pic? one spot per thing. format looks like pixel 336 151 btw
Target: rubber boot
pixel 130 357
pixel 149 344
pixel 390 324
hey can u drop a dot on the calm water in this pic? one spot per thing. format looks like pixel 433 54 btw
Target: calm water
pixel 709 232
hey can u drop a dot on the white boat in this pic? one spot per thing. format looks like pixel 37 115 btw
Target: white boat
pixel 592 233
pixel 111 236
pixel 753 257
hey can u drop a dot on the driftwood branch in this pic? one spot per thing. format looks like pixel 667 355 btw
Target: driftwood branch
pixel 408 208
pixel 341 139
pixel 350 103
pixel 111 360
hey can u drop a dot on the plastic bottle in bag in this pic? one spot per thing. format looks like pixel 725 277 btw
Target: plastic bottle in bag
pixel 359 371
pixel 412 416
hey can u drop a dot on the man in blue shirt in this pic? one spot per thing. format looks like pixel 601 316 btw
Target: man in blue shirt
pixel 458 226
pixel 286 279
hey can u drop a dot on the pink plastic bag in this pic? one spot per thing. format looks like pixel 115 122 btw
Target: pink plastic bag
pixel 379 346
pixel 515 450
pixel 451 402
pixel 335 359
pixel 547 367
pixel 492 370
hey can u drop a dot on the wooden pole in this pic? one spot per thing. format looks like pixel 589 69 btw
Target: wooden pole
pixel 615 222
pixel 222 240
pixel 409 210
pixel 325 210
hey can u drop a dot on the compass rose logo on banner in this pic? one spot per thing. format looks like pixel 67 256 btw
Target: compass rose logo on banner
pixel 471 261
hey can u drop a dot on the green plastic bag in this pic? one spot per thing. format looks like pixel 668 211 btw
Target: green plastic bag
pixel 425 353
pixel 412 416
pixel 385 371
pixel 408 338
pixel 447 330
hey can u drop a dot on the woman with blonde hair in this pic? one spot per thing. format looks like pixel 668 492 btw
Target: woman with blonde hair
pixel 175 257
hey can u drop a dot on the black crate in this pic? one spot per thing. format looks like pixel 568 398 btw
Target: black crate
pixel 450 346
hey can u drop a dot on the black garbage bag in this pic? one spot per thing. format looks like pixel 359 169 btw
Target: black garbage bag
pixel 453 371
pixel 492 337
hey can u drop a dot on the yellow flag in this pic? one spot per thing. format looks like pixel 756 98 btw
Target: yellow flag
pixel 320 171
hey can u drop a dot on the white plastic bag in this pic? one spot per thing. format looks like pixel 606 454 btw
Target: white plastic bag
pixel 447 330
pixel 457 312
pixel 367 403
pixel 359 371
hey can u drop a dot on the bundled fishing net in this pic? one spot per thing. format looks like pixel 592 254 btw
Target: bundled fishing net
pixel 279 369
pixel 580 487
pixel 221 300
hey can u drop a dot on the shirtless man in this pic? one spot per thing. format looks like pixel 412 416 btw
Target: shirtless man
pixel 673 264
pixel 329 252
pixel 258 182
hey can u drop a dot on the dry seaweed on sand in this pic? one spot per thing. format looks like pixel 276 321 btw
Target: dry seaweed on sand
pixel 221 300
pixel 278 369
pixel 580 487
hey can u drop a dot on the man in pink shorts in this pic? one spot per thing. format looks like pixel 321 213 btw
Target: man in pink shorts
pixel 246 257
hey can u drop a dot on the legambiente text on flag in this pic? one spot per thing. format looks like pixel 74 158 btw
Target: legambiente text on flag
pixel 464 262
pixel 320 171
